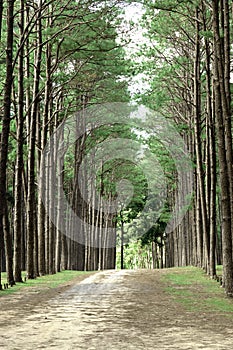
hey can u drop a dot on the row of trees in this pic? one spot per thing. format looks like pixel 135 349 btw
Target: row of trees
pixel 62 57
pixel 188 61
pixel 57 58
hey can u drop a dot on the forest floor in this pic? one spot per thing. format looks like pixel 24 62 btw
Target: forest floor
pixel 120 310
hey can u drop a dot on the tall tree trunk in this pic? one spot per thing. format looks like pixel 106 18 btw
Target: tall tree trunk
pixel 198 143
pixel 197 128
pixel 19 156
pixel 31 155
pixel 52 203
pixel 222 117
pixel 60 227
pixel 226 95
pixel 78 204
pixel 6 119
pixel 213 184
pixel 210 137
pixel 42 177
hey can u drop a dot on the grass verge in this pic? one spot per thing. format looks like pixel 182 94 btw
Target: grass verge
pixel 44 282
pixel 192 288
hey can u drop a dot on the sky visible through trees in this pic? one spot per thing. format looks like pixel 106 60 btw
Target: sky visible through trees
pixel 115 136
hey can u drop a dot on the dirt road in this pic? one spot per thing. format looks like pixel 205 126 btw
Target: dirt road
pixel 117 310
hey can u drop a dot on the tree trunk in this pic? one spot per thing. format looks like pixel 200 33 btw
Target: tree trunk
pixel 42 177
pixel 222 117
pixel 19 156
pixel 6 119
pixel 211 147
pixel 31 156
pixel 198 143
pixel 154 255
pixel 60 227
pixel 52 202
pixel 8 248
pixel 225 78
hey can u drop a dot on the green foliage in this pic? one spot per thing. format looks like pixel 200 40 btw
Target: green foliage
pixel 157 230
pixel 135 255
pixel 166 60
pixel 114 170
pixel 164 157
pixel 152 235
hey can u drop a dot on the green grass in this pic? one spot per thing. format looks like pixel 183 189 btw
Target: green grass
pixel 48 281
pixel 192 288
pixel 219 269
